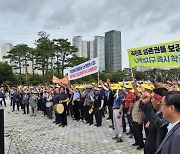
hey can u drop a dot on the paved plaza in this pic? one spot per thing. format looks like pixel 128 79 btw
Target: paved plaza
pixel 38 135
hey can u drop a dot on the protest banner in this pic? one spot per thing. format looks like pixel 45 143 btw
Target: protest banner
pixel 84 69
pixel 56 80
pixel 164 54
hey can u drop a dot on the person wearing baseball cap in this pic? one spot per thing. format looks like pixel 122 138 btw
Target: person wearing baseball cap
pixel 117 114
pixel 128 105
pixel 98 106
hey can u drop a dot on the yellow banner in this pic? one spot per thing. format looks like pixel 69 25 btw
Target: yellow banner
pixel 164 54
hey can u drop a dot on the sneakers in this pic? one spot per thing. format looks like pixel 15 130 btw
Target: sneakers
pixel 112 126
pixel 131 136
pixel 129 133
pixel 140 147
pixel 134 144
pixel 119 140
pixel 115 138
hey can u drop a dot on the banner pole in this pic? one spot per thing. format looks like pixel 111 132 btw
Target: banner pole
pixel 132 75
pixel 98 77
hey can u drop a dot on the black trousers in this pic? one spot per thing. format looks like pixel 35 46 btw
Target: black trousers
pixel 11 101
pixel 98 116
pixel 110 113
pixel 88 117
pixel 49 112
pixel 57 117
pixel 26 108
pixel 16 103
pixel 137 131
pixel 4 100
pixel 63 116
pixel 82 111
pixel 146 129
pixel 77 110
pixel 21 104
pixel 129 118
pixel 71 109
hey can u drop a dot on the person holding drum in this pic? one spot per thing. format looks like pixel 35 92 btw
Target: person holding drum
pixel 63 98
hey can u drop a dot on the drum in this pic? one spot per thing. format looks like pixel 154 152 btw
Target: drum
pixel 59 108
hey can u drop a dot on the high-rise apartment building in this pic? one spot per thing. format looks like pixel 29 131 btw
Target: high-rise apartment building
pixel 77 42
pixel 84 49
pixel 5 48
pixel 81 45
pixel 90 50
pixel 113 50
pixel 99 51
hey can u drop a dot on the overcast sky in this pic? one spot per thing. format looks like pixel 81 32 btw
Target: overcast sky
pixel 142 22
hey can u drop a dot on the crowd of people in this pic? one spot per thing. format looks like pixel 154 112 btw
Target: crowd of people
pixel 154 107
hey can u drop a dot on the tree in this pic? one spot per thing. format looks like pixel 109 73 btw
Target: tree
pixel 32 58
pixel 63 51
pixel 25 55
pixel 6 73
pixel 18 55
pixel 44 50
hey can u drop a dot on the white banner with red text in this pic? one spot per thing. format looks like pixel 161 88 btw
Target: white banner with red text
pixel 84 69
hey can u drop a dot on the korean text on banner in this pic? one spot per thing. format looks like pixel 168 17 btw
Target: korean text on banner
pixel 84 69
pixel 164 54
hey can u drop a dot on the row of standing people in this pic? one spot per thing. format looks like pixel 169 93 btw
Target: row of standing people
pixel 132 103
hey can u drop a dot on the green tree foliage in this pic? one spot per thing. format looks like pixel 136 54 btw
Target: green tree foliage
pixel 18 56
pixel 44 50
pixel 32 58
pixel 63 51
pixel 6 74
pixel 35 79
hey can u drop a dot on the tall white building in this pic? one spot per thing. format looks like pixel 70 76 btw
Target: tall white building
pixel 84 49
pixel 99 51
pixel 90 53
pixel 81 45
pixel 77 42
pixel 5 48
